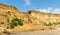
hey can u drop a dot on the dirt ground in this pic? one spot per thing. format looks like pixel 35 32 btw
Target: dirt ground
pixel 45 32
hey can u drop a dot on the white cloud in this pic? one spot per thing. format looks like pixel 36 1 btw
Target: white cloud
pixel 56 11
pixel 27 2
pixel 50 10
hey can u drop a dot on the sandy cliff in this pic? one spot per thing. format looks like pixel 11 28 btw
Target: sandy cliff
pixel 11 19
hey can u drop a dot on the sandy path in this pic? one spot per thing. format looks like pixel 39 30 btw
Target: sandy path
pixel 49 32
pixel 53 32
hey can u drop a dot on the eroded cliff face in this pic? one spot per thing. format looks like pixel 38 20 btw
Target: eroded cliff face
pixel 11 19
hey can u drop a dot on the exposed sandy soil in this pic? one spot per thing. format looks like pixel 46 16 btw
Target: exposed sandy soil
pixel 45 32
pixel 32 21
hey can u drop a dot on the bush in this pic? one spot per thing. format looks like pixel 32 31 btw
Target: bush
pixel 16 22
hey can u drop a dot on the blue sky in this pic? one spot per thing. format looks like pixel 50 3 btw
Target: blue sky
pixel 25 5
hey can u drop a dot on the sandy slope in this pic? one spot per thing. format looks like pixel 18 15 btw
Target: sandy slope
pixel 32 20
